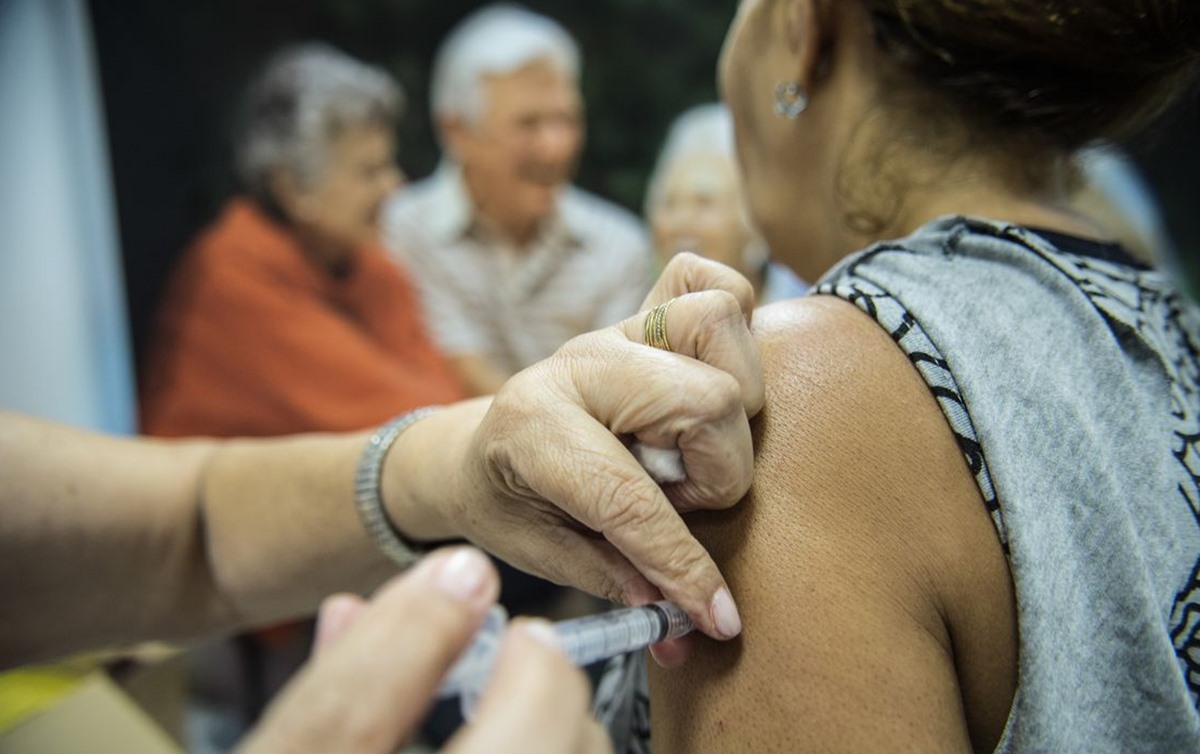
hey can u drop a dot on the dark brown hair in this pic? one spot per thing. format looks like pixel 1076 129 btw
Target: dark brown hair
pixel 1061 72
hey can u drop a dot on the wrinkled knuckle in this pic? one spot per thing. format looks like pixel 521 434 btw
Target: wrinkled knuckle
pixel 722 318
pixel 683 560
pixel 511 429
pixel 617 592
pixel 735 484
pixel 683 262
pixel 728 467
pixel 586 360
pixel 511 404
pixel 725 298
pixel 717 494
pixel 602 585
pixel 743 293
pixel 731 490
pixel 595 579
pixel 724 307
pixel 626 507
pixel 614 594
pixel 718 396
pixel 583 346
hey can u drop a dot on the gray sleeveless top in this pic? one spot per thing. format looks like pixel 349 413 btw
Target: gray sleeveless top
pixel 1072 383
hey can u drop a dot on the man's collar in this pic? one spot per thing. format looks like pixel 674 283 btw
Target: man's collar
pixel 456 212
pixel 452 220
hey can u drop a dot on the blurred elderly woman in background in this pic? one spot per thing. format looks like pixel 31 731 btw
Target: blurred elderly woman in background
pixel 284 317
pixel 694 203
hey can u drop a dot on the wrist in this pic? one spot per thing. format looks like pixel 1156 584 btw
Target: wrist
pixel 422 482
pixel 368 489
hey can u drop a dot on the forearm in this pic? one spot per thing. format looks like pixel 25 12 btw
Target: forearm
pixel 281 523
pixel 99 538
pixel 428 476
pixel 112 541
pixel 280 528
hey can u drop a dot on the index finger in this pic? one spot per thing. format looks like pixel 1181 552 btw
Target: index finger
pixel 635 516
pixel 710 326
pixel 692 273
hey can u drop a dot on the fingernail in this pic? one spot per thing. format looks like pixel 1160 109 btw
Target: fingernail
pixel 542 632
pixel 670 653
pixel 463 575
pixel 725 614
pixel 659 659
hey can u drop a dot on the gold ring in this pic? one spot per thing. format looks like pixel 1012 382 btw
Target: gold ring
pixel 656 327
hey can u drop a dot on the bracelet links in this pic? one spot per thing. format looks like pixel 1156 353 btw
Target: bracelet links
pixel 368 496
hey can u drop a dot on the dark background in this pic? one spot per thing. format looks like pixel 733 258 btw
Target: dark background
pixel 173 71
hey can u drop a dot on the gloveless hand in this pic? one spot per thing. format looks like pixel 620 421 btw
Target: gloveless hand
pixel 377 666
pixel 565 499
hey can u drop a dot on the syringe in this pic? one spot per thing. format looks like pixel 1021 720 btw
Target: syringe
pixel 584 640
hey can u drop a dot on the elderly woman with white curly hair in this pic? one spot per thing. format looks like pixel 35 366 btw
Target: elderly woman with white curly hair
pixel 284 316
pixel 694 202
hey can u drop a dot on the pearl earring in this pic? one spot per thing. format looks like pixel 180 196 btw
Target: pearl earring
pixel 790 100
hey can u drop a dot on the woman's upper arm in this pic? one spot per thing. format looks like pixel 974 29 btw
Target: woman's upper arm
pixel 859 561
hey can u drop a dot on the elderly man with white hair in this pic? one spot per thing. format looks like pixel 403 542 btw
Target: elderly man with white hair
pixel 511 259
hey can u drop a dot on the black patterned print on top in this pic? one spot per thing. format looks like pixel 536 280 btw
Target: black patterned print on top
pixel 908 334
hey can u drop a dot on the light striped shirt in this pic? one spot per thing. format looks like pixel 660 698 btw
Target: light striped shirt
pixel 589 267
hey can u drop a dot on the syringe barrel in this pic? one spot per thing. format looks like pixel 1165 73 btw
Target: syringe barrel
pixel 597 637
pixel 584 640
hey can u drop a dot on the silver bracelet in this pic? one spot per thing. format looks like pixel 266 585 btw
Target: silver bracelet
pixel 368 497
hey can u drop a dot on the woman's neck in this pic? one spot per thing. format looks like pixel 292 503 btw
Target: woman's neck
pixel 1046 211
pixel 332 258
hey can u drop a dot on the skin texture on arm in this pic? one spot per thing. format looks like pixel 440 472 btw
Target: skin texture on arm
pixel 876 600
pixel 112 541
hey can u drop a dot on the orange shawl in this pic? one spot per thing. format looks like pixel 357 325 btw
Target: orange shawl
pixel 255 340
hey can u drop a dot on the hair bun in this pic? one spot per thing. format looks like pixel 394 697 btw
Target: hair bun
pixel 1070 70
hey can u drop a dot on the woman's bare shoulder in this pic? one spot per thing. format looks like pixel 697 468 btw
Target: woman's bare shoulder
pixel 859 561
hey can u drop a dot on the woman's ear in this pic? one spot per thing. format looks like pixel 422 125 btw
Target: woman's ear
pixel 807 27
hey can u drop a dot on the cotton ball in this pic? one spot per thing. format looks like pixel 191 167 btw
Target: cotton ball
pixel 665 465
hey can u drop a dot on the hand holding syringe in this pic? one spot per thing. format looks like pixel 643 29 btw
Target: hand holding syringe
pixel 584 640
